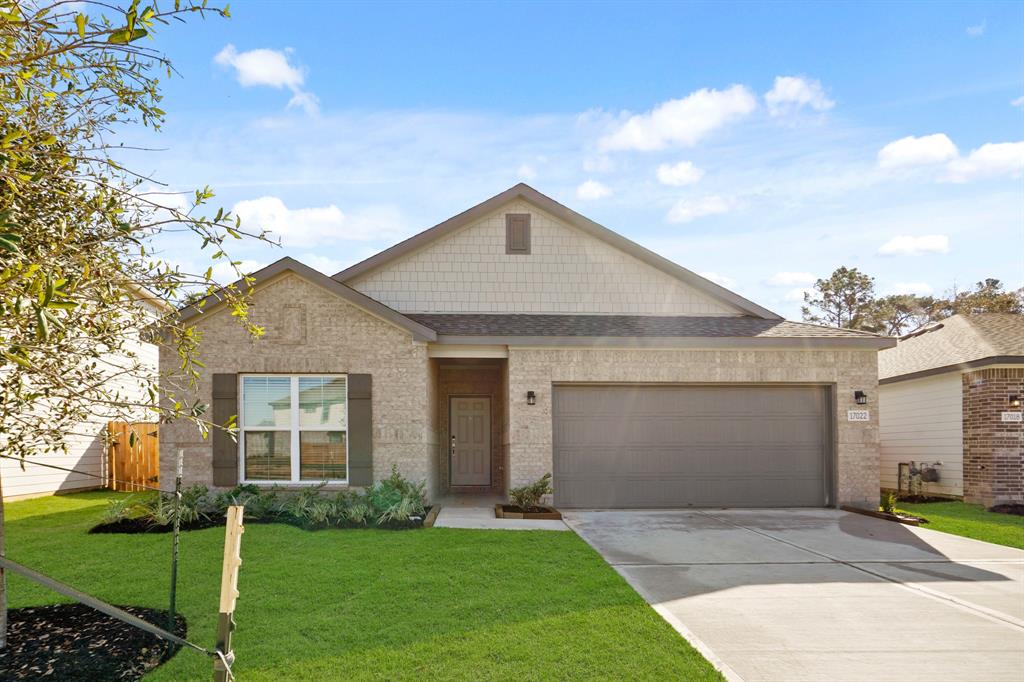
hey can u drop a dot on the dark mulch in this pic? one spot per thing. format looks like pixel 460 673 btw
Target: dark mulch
pixel 1014 508
pixel 75 642
pixel 923 499
pixel 132 526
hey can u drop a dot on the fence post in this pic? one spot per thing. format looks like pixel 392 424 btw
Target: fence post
pixel 228 594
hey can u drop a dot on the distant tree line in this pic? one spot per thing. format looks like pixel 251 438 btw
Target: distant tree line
pixel 847 299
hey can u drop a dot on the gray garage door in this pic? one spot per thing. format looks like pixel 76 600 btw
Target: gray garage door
pixel 679 446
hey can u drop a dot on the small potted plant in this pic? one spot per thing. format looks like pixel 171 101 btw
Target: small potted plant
pixel 525 502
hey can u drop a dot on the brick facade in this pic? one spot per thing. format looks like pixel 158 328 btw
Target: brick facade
pixel 993 449
pixel 309 329
pixel 857 445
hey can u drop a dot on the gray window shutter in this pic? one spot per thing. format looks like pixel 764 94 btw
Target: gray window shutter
pixel 517 233
pixel 225 448
pixel 360 429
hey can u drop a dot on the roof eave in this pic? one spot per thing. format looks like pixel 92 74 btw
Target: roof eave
pixel 956 367
pixel 287 264
pixel 745 342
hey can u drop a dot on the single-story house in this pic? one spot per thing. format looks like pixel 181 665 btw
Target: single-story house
pixel 950 396
pixel 519 338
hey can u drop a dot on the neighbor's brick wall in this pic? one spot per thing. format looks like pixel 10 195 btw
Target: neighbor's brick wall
pixel 993 450
pixel 310 330
pixel 568 271
pixel 857 449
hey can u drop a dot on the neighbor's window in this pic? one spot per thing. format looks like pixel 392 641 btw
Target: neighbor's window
pixel 294 428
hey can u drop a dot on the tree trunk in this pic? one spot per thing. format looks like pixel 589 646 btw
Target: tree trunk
pixel 3 575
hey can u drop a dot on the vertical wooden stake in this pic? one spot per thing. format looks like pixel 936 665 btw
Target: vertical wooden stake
pixel 174 544
pixel 228 592
pixel 3 576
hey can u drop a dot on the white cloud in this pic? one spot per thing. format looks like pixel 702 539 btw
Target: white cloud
pixel 788 279
pixel 526 172
pixel 797 294
pixel 919 288
pixel 1019 102
pixel 592 190
pixel 907 245
pixel 224 272
pixel 324 264
pixel 270 68
pixel 681 121
pixel 679 174
pixel 718 279
pixel 601 163
pixel 917 151
pixel 791 93
pixel 317 225
pixel 1002 158
pixel 686 210
pixel 977 30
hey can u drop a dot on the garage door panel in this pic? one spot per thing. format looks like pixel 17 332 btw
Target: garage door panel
pixel 644 446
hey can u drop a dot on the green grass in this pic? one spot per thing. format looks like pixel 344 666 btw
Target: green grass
pixel 970 521
pixel 368 604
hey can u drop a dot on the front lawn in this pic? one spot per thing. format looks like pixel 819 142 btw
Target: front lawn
pixel 970 521
pixel 367 604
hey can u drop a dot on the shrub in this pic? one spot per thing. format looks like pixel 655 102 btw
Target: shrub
pixel 889 503
pixel 395 499
pixel 528 496
pixel 118 509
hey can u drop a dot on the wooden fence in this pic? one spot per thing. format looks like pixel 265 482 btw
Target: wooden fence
pixel 134 460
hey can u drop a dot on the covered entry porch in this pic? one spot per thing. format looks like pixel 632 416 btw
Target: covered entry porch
pixel 471 422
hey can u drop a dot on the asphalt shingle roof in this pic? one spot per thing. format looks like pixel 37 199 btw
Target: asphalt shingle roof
pixel 957 340
pixel 464 324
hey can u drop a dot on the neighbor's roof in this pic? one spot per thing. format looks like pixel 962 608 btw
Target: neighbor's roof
pixel 526 193
pixel 955 343
pixel 514 328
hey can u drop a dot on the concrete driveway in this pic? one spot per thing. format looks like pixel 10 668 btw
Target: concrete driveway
pixel 798 594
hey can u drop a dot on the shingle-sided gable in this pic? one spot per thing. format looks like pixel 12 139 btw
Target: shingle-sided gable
pixel 566 271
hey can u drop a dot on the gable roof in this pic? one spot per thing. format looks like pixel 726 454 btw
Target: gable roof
pixel 546 329
pixel 287 264
pixel 567 215
pixel 955 343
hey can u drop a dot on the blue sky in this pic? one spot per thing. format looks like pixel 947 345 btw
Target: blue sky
pixel 761 145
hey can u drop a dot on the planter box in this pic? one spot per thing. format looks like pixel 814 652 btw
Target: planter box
pixel 507 511
pixel 906 520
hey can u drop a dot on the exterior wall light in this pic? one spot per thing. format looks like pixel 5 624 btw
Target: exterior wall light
pixel 1014 400
pixel 531 398
pixel 860 397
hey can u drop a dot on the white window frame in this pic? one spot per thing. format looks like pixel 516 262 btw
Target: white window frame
pixel 294 428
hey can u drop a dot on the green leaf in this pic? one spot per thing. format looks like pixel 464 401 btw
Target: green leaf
pixel 9 242
pixel 124 36
pixel 80 23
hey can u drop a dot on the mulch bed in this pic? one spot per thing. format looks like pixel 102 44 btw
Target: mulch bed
pixel 923 499
pixel 133 526
pixel 511 511
pixel 75 642
pixel 1015 509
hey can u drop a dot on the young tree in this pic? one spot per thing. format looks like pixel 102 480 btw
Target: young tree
pixel 77 229
pixel 842 300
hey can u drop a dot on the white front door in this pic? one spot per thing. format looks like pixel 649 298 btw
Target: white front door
pixel 470 440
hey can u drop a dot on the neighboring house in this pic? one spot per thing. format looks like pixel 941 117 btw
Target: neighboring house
pixel 519 338
pixel 87 451
pixel 943 394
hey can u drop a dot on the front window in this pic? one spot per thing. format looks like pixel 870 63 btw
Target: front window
pixel 294 428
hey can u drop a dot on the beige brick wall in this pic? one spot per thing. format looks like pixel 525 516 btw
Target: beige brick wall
pixel 857 448
pixel 311 330
pixel 568 271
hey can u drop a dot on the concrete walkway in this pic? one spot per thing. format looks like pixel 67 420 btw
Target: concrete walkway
pixel 822 594
pixel 483 518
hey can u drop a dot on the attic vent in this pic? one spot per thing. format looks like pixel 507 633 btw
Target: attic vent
pixel 517 233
